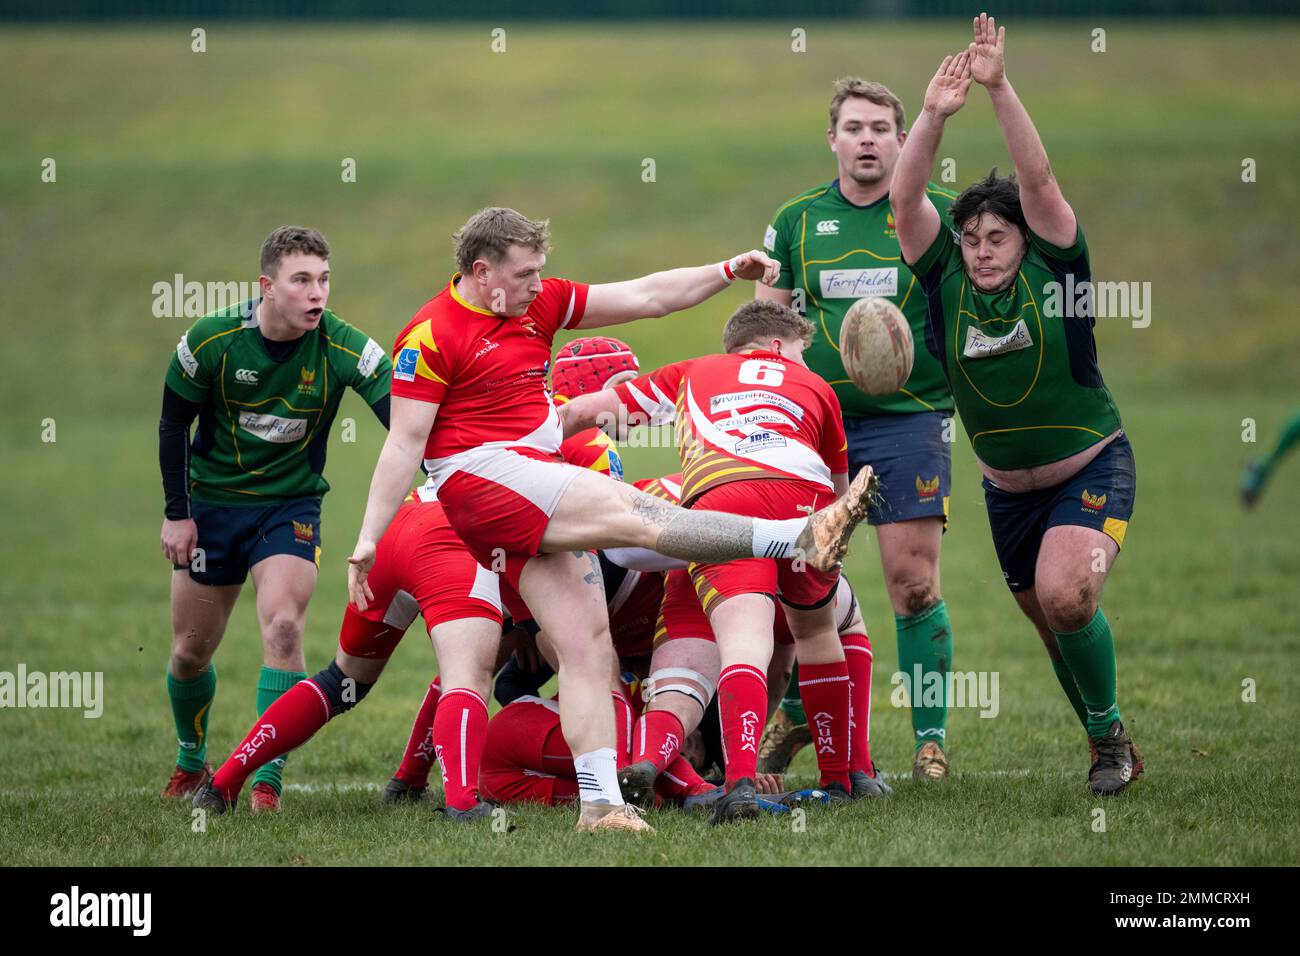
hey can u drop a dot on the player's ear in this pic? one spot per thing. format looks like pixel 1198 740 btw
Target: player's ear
pixel 902 137
pixel 265 284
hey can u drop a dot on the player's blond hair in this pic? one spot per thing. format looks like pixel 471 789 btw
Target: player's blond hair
pixel 878 93
pixel 290 239
pixel 491 232
pixel 760 321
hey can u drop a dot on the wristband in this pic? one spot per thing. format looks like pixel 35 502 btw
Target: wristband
pixel 725 268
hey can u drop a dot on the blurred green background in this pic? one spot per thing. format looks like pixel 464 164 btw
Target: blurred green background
pixel 174 161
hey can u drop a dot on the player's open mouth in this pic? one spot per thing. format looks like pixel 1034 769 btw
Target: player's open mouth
pixel 867 158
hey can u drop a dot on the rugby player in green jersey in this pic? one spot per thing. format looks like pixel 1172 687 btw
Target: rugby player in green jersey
pixel 264 379
pixel 1257 470
pixel 1059 477
pixel 836 243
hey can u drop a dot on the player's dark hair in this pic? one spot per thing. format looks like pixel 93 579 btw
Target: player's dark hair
pixel 999 195
pixel 491 232
pixel 762 320
pixel 290 239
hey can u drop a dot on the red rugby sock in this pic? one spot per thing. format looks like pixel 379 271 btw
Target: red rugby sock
pixel 623 720
pixel 742 702
pixel 679 781
pixel 824 689
pixel 288 723
pixel 418 757
pixel 459 732
pixel 857 654
pixel 657 738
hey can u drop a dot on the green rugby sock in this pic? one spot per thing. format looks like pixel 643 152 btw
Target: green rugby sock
pixel 271 683
pixel 1289 437
pixel 792 703
pixel 925 643
pixel 191 702
pixel 1071 690
pixel 1090 655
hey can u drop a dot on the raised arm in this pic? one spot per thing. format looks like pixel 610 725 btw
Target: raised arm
pixel 409 425
pixel 1045 208
pixel 916 219
pixel 595 410
pixel 662 293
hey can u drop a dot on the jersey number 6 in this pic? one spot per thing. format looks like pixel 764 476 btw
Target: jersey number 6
pixel 759 372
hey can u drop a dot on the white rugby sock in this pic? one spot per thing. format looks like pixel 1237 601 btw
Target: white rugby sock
pixel 775 538
pixel 598 777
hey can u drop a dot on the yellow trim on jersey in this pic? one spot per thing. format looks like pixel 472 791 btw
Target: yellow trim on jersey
pixel 1042 350
pixel 1030 428
pixel 344 348
pixel 1115 529
pixel 195 351
pixel 473 308
pixel 928 406
pixel 276 398
pixel 827 262
pixel 800 199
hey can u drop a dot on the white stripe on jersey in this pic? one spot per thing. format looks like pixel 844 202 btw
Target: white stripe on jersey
pixel 568 314
pixel 792 456
pixel 547 437
pixel 660 409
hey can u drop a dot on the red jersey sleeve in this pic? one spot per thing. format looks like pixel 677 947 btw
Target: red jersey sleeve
pixel 834 445
pixel 560 305
pixel 421 365
pixel 652 398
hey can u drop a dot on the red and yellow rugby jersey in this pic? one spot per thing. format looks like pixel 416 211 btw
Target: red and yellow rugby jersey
pixel 486 372
pixel 743 416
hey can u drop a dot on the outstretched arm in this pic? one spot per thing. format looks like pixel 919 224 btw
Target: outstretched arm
pixel 662 293
pixel 409 427
pixel 915 217
pixel 1045 208
pixel 595 410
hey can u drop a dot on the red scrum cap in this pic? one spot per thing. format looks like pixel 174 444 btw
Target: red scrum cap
pixel 591 364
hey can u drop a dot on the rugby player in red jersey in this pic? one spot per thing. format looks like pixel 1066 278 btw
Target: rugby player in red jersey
pixel 469 396
pixel 759 435
pixel 421 567
pixel 582 366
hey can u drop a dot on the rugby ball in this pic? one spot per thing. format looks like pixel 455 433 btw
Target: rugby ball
pixel 876 346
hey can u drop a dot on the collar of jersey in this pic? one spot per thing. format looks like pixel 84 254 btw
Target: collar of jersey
pixel 451 287
pixel 849 202
pixel 765 352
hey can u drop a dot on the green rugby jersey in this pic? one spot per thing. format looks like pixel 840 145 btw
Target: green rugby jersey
pixel 1027 384
pixel 264 424
pixel 837 253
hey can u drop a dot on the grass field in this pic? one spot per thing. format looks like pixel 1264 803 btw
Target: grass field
pixel 170 161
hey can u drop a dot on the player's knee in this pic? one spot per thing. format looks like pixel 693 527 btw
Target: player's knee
pixel 189 656
pixel 913 595
pixel 282 635
pixel 340 691
pixel 1068 609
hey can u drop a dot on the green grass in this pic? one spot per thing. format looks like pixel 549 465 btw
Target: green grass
pixel 170 161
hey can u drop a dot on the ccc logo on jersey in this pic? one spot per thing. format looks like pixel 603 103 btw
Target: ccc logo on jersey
pixel 246 376
pixel 828 227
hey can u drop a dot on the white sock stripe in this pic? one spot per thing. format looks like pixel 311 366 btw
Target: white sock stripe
pixel 680 783
pixel 735 669
pixel 465 692
pixel 324 701
pixel 823 680
pixel 464 722
pixel 856 649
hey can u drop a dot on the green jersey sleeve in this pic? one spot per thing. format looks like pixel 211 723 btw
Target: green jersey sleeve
pixel 1068 254
pixel 776 240
pixel 937 256
pixel 197 357
pixel 363 363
